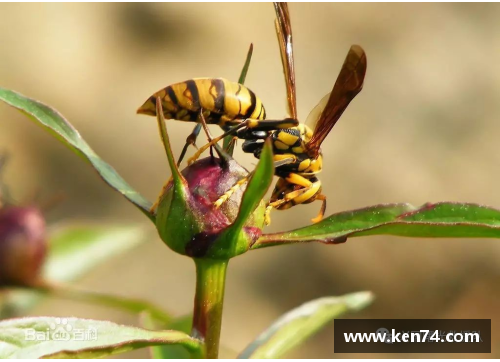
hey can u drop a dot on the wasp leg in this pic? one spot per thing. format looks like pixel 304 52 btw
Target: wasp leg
pixel 230 192
pixel 307 192
pixel 207 131
pixel 322 210
pixel 224 157
pixel 311 192
pixel 190 141
pixel 229 147
pixel 244 180
pixel 215 140
pixel 290 197
pixel 296 179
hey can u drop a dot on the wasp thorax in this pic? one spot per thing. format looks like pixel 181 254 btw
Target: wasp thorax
pixel 190 220
pixel 22 245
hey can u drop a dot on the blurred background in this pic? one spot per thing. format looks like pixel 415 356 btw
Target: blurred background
pixel 425 128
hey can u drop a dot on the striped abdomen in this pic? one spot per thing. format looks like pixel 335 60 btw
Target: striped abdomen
pixel 222 101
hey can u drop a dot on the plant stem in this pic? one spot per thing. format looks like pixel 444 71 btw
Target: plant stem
pixel 127 304
pixel 208 302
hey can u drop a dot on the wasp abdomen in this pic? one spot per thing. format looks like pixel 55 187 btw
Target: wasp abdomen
pixel 221 100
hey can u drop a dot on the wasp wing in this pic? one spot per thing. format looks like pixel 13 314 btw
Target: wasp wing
pixel 313 117
pixel 284 33
pixel 349 83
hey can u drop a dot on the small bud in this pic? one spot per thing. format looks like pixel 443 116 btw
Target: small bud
pixel 189 222
pixel 22 245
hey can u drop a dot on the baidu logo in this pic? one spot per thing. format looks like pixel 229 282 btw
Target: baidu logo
pixel 61 330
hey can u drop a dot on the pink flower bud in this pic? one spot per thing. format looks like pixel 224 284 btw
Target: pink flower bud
pixel 23 245
pixel 190 224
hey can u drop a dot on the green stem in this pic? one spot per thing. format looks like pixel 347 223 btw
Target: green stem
pixel 130 305
pixel 208 302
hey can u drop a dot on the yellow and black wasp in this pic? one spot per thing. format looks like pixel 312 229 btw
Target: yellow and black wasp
pixel 213 101
pixel 298 183
pixel 218 101
pixel 240 112
pixel 297 149
pixel 221 102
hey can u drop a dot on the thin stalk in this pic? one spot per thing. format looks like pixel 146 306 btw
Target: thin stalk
pixel 130 305
pixel 208 303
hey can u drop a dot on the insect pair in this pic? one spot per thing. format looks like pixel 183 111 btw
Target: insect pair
pixel 240 113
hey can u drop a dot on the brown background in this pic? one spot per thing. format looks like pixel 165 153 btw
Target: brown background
pixel 424 128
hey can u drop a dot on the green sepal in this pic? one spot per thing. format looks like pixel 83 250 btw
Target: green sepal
pixel 175 222
pixel 235 240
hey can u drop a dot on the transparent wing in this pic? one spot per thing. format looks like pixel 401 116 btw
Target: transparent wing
pixel 313 117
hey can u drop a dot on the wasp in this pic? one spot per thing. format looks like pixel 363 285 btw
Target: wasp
pixel 213 101
pixel 297 149
pixel 218 101
pixel 221 101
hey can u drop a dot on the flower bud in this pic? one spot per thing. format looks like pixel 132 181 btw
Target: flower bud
pixel 22 245
pixel 190 224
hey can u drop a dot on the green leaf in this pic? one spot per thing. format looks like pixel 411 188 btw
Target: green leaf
pixel 74 250
pixel 131 305
pixel 59 127
pixel 80 338
pixel 182 324
pixel 296 326
pixel 439 220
